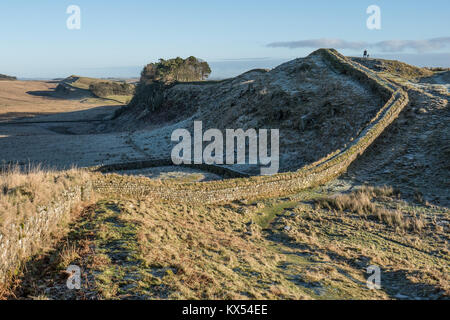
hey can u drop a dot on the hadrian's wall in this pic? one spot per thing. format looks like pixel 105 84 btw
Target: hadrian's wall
pixel 311 175
pixel 25 239
pixel 19 242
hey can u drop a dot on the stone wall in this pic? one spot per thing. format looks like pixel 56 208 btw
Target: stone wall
pixel 21 241
pixel 26 239
pixel 311 175
pixel 136 165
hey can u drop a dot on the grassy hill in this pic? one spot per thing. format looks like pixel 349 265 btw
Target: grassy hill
pixel 395 68
pixel 311 245
pixel 107 89
pixel 364 185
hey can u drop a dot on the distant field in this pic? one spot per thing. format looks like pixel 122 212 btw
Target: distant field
pixel 85 82
pixel 31 98
pixel 81 82
pixel 5 77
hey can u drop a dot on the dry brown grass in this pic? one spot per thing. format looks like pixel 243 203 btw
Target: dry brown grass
pixel 362 202
pixel 350 231
pixel 144 249
pixel 25 193
pixel 15 100
pixel 176 252
pixel 204 256
pixel 68 254
pixel 23 190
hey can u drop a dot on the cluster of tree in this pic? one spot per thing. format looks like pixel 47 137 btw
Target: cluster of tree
pixel 5 77
pixel 176 70
pixel 105 89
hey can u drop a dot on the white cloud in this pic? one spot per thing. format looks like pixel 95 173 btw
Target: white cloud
pixel 420 46
pixel 318 43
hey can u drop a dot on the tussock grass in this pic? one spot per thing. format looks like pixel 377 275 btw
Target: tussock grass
pixel 362 202
pixel 359 201
pixel 68 254
pixel 372 226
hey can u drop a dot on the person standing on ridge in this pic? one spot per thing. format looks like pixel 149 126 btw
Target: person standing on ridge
pixel 365 54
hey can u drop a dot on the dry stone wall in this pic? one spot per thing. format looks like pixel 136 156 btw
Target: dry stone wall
pixel 311 175
pixel 25 239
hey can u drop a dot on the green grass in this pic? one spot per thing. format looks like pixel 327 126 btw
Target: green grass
pixel 269 213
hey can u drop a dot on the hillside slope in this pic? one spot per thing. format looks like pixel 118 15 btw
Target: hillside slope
pixel 295 235
pixel 413 154
pixel 393 67
pixel 316 107
pixel 76 87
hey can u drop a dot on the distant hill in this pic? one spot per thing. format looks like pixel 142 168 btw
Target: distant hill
pixel 81 82
pixel 106 89
pixel 5 77
pixel 394 67
pixel 119 91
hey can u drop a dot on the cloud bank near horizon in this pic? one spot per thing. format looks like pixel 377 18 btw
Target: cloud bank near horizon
pixel 388 46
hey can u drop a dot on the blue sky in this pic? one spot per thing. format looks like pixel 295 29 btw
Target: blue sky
pixel 118 37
